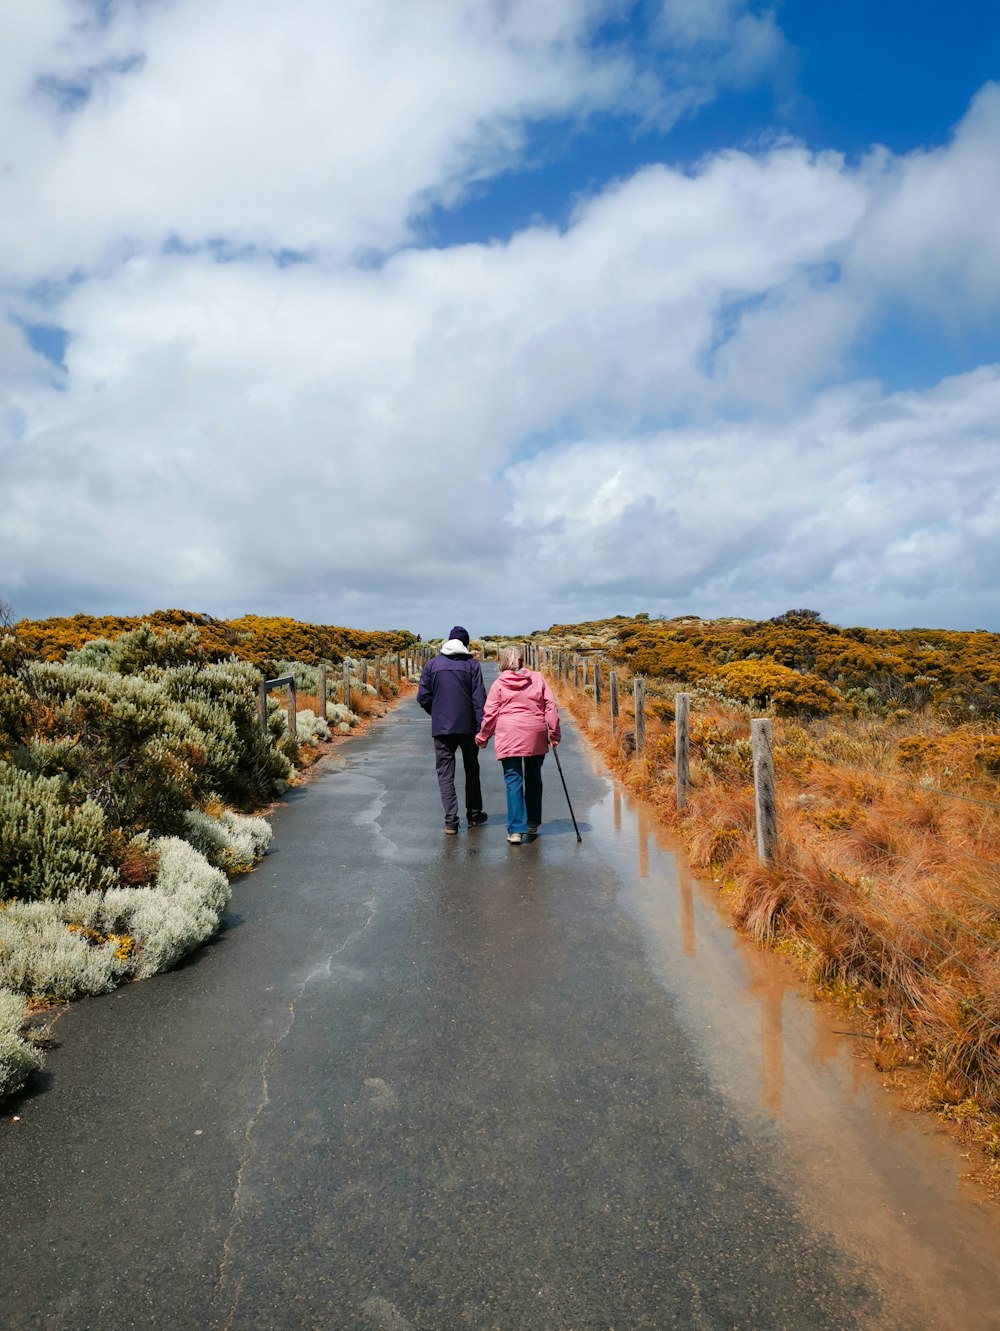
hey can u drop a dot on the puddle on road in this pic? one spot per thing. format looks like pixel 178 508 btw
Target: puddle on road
pixel 885 1183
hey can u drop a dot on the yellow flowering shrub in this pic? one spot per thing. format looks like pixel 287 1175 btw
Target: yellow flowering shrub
pixel 767 684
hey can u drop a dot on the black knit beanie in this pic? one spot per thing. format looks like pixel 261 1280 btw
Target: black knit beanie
pixel 460 633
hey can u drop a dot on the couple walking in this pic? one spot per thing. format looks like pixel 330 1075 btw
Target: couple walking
pixel 520 712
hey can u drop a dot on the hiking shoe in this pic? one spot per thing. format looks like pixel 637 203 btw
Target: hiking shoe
pixel 533 828
pixel 477 819
pixel 514 838
pixel 451 829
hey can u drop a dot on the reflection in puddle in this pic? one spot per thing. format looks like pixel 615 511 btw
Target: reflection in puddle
pixel 642 827
pixel 883 1182
pixel 772 1075
pixel 686 885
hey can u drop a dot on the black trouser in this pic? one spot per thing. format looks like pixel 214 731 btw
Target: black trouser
pixel 445 747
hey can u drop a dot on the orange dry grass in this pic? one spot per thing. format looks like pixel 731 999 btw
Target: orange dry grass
pixel 886 892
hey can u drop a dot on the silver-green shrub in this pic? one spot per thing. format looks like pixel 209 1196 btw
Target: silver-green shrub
pixel 49 845
pixel 89 942
pixel 134 750
pixel 342 717
pixel 310 728
pixel 149 746
pixel 306 676
pixel 18 1059
pixel 41 957
pixel 174 915
pixel 232 842
pixel 242 762
pixel 133 653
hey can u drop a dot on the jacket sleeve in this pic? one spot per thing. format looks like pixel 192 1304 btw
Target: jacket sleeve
pixel 425 689
pixel 490 712
pixel 478 694
pixel 551 712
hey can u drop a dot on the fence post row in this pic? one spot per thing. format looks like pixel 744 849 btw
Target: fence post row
pixel 765 804
pixel 639 698
pixel 265 688
pixel 682 747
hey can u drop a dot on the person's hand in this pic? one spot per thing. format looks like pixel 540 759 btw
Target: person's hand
pixel 554 743
pixel 481 743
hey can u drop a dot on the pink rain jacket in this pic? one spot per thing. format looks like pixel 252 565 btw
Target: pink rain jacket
pixel 520 708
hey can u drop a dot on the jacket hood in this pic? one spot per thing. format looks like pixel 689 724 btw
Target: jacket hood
pixel 454 647
pixel 515 679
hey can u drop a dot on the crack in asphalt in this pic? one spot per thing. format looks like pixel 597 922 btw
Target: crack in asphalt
pixel 236 1210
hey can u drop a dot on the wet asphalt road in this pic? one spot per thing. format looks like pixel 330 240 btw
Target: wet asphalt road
pixel 415 1082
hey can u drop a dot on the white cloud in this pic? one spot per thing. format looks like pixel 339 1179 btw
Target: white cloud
pixel 874 510
pixel 931 234
pixel 619 413
pixel 300 125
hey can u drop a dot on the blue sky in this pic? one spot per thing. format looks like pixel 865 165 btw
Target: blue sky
pixel 510 312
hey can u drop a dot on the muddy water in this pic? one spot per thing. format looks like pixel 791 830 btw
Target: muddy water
pixel 884 1182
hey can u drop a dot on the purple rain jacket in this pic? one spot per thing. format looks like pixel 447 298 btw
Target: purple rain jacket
pixel 451 689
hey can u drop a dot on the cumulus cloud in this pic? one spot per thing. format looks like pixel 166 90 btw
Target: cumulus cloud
pixel 298 127
pixel 930 236
pixel 890 503
pixel 273 399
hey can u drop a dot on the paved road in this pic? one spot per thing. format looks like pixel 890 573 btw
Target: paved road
pixel 429 1082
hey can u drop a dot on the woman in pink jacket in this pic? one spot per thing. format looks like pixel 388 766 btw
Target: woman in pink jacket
pixel 521 711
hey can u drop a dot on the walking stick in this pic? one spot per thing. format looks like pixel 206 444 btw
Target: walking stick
pixel 555 754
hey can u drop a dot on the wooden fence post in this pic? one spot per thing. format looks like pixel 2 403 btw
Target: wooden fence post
pixel 291 707
pixel 682 747
pixel 597 685
pixel 378 675
pixel 364 672
pixel 321 688
pixel 399 668
pixel 613 699
pixel 576 671
pixel 765 805
pixel 345 680
pixel 639 698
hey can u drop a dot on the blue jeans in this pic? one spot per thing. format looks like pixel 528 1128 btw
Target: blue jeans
pixel 523 777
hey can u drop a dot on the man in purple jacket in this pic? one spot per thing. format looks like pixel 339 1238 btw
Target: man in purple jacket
pixel 451 689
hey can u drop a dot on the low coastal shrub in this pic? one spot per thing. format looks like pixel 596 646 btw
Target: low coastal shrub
pixel 231 842
pixel 310 728
pixel 49 844
pixel 18 1058
pixel 88 941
